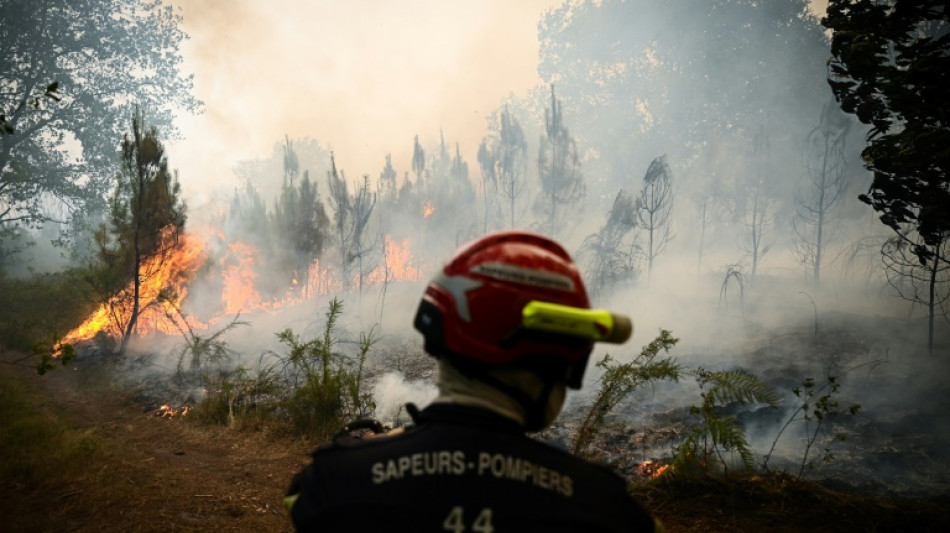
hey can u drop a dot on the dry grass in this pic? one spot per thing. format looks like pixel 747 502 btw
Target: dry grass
pixel 96 462
pixel 84 457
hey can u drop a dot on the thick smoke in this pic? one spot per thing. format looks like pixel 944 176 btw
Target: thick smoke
pixel 731 108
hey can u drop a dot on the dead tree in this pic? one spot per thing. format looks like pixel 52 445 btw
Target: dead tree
pixel 760 212
pixel 558 168
pixel 654 209
pixel 826 168
pixel 920 282
pixel 609 259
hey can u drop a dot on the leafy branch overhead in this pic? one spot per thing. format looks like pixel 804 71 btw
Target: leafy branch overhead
pixel 890 68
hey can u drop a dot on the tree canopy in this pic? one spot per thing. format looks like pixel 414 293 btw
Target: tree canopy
pixel 104 56
pixel 891 68
pixel 680 76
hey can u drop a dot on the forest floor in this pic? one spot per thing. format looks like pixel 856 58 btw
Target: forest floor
pixel 144 472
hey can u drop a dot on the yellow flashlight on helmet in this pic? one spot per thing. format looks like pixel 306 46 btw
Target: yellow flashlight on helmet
pixel 599 325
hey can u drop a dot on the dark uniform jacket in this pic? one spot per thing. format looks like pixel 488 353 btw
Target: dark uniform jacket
pixel 459 469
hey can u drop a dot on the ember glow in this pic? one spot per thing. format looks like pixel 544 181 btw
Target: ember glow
pixel 166 411
pixel 428 210
pixel 650 469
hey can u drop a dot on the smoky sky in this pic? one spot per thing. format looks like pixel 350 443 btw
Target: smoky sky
pixel 361 77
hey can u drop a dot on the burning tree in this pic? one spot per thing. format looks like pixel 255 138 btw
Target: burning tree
pixel 300 220
pixel 147 217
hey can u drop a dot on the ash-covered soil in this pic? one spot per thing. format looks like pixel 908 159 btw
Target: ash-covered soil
pixel 159 473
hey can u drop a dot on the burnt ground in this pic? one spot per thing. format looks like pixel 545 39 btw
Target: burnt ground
pixel 169 474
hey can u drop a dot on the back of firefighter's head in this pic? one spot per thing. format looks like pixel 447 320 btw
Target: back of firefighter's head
pixel 471 320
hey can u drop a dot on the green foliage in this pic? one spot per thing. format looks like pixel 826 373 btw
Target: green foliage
pixel 817 404
pixel 312 385
pixel 620 379
pixel 102 54
pixel 53 354
pixel 888 67
pixel 203 353
pixel 715 434
pixel 237 396
pixel 37 446
pixel 40 308
pixel 323 388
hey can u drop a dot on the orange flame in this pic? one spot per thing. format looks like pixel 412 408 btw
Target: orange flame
pixel 398 264
pixel 428 209
pixel 649 469
pixel 164 287
pixel 239 293
pixel 167 411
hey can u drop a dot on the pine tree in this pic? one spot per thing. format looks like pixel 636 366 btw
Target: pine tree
pixel 147 219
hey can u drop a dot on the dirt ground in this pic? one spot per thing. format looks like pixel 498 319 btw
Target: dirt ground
pixel 169 474
pixel 155 474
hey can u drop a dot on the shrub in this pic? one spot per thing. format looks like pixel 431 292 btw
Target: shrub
pixel 715 434
pixel 619 380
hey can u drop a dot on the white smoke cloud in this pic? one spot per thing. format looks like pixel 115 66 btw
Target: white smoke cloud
pixel 392 392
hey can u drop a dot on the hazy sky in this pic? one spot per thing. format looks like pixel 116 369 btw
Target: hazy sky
pixel 362 77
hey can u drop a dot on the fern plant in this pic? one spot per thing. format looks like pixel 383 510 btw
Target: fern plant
pixel 714 435
pixel 620 379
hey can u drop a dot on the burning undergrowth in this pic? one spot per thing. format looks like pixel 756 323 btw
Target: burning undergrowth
pixel 854 407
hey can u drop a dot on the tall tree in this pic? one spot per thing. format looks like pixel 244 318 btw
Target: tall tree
pixel 387 180
pixel 890 67
pixel 609 259
pixel 826 180
pixel 351 215
pixel 673 77
pixel 419 165
pixel 558 168
pixel 102 55
pixel 147 219
pixel 654 209
pixel 503 158
pixel 301 223
pixel 759 206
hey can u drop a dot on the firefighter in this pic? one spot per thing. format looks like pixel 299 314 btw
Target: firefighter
pixel 465 464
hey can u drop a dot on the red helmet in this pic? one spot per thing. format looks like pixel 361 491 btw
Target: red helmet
pixel 471 312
